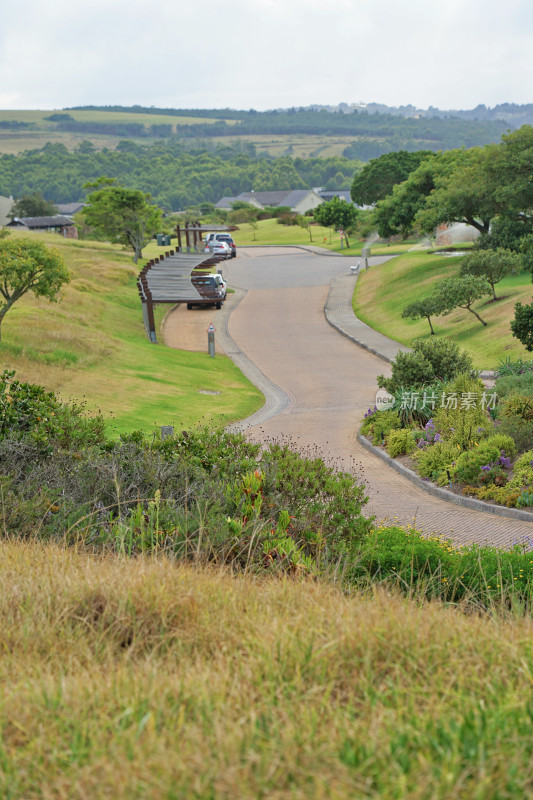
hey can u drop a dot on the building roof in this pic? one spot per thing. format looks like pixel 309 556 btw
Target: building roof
pixel 328 194
pixel 287 197
pixel 70 208
pixel 225 202
pixel 58 221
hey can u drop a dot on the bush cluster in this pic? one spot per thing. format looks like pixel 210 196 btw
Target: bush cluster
pixel 435 567
pixel 205 493
pixel 429 361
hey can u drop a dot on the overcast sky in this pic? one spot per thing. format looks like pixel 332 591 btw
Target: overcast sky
pixel 265 53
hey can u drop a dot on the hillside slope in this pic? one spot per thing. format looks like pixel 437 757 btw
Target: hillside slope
pixel 143 679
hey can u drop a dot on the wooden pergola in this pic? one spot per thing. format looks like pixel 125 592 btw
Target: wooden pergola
pixel 192 233
pixel 167 279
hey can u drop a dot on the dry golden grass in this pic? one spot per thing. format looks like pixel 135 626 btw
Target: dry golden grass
pixel 130 679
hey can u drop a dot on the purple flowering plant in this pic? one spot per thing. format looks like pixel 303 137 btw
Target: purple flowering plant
pixel 429 435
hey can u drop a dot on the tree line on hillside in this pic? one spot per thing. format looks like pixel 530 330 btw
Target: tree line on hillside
pixel 175 177
pixel 488 188
pixel 435 133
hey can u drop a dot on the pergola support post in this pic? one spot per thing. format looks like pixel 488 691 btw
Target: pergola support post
pixel 151 321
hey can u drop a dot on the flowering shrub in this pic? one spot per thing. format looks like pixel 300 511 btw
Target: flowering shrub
pixel 492 474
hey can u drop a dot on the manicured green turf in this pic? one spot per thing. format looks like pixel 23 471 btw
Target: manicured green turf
pixel 93 345
pixel 270 232
pixel 383 291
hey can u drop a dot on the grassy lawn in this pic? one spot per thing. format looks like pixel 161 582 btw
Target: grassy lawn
pixel 383 291
pixel 92 346
pixel 270 232
pixel 143 678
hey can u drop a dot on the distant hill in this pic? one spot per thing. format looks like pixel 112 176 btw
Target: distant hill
pixel 511 113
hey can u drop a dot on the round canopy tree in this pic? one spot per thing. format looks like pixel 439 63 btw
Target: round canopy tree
pixel 27 265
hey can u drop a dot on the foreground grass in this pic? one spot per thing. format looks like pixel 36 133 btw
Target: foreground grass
pixel 92 345
pixel 144 679
pixel 383 291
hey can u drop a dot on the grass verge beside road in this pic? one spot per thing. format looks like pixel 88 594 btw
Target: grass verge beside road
pixel 383 291
pixel 93 346
pixel 270 232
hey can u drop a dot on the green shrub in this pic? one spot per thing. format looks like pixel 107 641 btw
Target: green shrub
pixel 515 384
pixel 525 500
pixel 504 495
pixel 518 405
pixel 431 359
pixel 457 422
pixel 521 432
pixel 435 567
pixel 445 356
pixel 523 471
pixel 503 442
pixel 409 370
pixel 468 465
pixel 318 498
pixel 380 423
pixel 435 460
pixel 401 442
pixel 29 410
pixel 524 461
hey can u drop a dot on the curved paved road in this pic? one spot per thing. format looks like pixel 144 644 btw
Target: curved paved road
pixel 330 382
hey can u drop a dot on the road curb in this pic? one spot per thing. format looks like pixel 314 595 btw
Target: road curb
pixel 334 320
pixel 345 333
pixel 440 493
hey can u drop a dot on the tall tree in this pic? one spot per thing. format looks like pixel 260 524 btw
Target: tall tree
pixel 464 191
pixel 122 215
pixel 396 213
pixel 378 178
pixel 32 205
pixel 27 265
pixel 337 214
pixel 522 325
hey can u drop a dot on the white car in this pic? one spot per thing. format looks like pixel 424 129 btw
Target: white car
pixel 218 249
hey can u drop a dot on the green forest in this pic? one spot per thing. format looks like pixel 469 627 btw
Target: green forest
pixel 176 177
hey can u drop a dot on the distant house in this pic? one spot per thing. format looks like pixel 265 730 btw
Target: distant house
pixel 342 194
pixel 298 200
pixel 5 207
pixel 58 224
pixel 329 194
pixel 69 209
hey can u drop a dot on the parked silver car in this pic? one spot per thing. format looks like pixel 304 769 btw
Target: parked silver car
pixel 218 248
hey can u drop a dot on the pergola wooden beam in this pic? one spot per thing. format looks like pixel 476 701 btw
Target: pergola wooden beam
pixel 167 279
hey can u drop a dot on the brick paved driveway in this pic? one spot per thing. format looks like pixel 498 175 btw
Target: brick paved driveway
pixel 280 325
